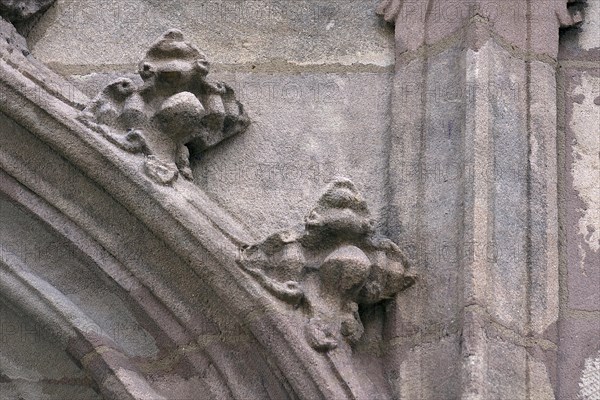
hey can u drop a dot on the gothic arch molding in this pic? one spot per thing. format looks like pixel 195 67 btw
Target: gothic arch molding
pixel 99 188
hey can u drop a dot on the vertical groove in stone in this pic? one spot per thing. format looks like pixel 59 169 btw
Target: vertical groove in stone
pixel 389 188
pixel 502 287
pixel 410 376
pixel 562 184
pixel 529 224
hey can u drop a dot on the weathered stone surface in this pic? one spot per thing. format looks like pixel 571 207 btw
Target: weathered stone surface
pixel 306 129
pixel 583 43
pixel 589 384
pixel 11 40
pixel 254 175
pixel 426 171
pixel 579 327
pixel 579 114
pixel 243 33
pixel 422 23
pixel 333 265
pixel 15 52
pixel 168 332
pixel 583 173
pixel 456 154
pixel 32 366
pixel 544 225
pixel 44 250
pixel 187 234
pixel 175 109
pixel 580 344
pixel 438 369
pixel 475 122
pixel 19 10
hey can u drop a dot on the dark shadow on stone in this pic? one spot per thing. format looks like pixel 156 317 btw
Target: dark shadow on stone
pixel 24 14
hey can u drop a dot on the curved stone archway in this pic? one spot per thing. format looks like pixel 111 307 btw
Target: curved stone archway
pixel 122 278
pixel 163 248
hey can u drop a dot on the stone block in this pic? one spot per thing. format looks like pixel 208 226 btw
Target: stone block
pixel 229 32
pixel 579 351
pixel 582 208
pixel 306 129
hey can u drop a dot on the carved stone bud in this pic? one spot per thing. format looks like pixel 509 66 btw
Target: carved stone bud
pixel 332 265
pixel 175 109
pixel 345 270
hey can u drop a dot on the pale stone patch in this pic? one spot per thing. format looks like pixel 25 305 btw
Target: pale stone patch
pixel 380 58
pixel 586 164
pixel 590 379
pixel 540 386
pixel 589 38
pixel 135 384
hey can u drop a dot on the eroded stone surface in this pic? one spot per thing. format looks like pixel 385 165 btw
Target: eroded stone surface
pixel 34 366
pixel 586 164
pixel 330 267
pixel 421 23
pixel 590 379
pixel 19 10
pixel 583 43
pixel 589 37
pixel 304 135
pixel 301 32
pixel 174 108
pixel 579 327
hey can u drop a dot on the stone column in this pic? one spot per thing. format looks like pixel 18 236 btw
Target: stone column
pixel 473 179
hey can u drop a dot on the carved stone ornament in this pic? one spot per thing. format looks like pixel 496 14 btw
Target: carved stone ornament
pixel 391 10
pixel 175 107
pixel 330 267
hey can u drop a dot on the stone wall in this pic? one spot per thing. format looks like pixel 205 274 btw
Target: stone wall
pixel 314 76
pixel 579 140
pixel 449 133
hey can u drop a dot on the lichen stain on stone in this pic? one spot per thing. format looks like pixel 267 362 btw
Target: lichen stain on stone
pixel 586 161
pixel 589 383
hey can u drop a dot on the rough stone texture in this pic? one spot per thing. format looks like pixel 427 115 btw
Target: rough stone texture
pixel 172 265
pixel 16 53
pixel 333 265
pixel 420 23
pixel 332 272
pixel 337 125
pixel 583 171
pixel 590 379
pixel 103 302
pixel 225 342
pixel 424 218
pixel 175 110
pixel 579 117
pixel 473 172
pixel 455 153
pixel 244 33
pixel 33 367
pixel 316 82
pixel 582 44
pixel 19 10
